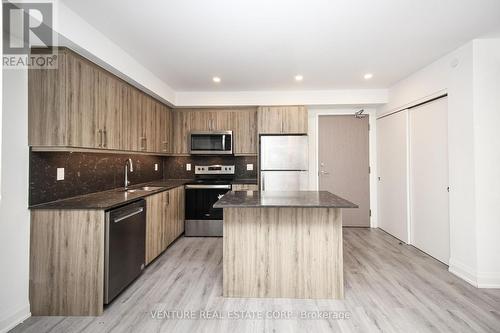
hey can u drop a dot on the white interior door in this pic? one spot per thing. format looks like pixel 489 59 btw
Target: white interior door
pixel 429 210
pixel 392 164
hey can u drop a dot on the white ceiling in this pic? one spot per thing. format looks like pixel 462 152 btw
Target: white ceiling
pixel 263 44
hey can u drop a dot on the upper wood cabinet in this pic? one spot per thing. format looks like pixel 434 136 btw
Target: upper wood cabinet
pixel 243 123
pixel 245 131
pixel 181 126
pixel 282 120
pixel 81 105
pixel 110 112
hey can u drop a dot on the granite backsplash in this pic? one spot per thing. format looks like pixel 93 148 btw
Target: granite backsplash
pixel 85 173
pixel 174 167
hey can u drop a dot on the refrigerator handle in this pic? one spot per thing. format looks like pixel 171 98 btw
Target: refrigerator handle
pixel 263 182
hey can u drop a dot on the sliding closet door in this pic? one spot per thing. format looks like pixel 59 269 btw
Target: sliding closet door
pixel 429 222
pixel 392 174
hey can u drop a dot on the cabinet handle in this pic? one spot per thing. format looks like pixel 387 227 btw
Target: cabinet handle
pixel 281 126
pixel 100 138
pixel 168 198
pixel 143 143
pixel 105 144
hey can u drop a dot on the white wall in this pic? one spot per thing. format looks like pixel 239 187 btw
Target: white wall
pixel 313 114
pixel 470 77
pixel 310 97
pixel 487 159
pixel 14 214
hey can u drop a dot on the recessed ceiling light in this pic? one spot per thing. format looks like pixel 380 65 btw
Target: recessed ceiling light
pixel 299 78
pixel 368 76
pixel 216 79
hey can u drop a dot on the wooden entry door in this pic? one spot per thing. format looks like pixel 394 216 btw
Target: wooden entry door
pixel 343 157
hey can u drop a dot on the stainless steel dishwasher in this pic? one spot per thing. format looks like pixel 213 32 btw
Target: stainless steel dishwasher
pixel 125 247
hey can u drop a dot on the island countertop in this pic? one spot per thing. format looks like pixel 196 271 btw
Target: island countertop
pixel 305 199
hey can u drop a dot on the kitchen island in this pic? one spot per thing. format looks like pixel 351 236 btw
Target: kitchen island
pixel 283 244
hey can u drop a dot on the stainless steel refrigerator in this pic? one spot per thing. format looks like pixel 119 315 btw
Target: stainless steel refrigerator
pixel 284 163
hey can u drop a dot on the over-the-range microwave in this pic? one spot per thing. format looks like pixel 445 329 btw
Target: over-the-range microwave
pixel 211 142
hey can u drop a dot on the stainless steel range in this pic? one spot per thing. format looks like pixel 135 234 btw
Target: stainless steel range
pixel 211 183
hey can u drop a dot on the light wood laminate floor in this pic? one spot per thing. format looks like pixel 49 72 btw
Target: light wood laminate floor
pixel 388 287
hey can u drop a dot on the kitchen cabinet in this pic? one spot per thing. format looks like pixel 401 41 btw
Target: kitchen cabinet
pixel 47 105
pixel 244 126
pixel 163 118
pixel 155 225
pixel 81 105
pixel 81 97
pixel 245 187
pixel 243 123
pixel 282 120
pixel 110 112
pixel 175 215
pixel 181 126
pixel 164 221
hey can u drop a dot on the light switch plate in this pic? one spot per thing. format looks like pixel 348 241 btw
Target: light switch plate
pixel 249 167
pixel 188 166
pixel 60 173
pixel 156 166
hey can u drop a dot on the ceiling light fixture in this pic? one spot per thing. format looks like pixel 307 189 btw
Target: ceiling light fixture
pixel 368 76
pixel 299 78
pixel 216 79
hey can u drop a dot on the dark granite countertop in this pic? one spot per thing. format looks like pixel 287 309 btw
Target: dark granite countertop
pixel 252 181
pixel 110 199
pixel 311 199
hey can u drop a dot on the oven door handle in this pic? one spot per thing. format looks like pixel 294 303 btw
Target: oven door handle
pixel 199 186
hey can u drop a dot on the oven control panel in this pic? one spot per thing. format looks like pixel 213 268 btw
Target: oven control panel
pixel 214 169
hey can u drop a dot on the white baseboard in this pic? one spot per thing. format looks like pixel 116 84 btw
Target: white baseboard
pixel 463 271
pixel 488 280
pixel 11 321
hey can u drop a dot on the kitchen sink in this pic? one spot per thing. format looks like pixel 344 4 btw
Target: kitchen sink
pixel 143 189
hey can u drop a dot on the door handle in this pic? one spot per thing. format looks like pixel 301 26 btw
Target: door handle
pixel 121 218
pixel 100 138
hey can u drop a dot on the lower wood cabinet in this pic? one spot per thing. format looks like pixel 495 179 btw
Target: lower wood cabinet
pixel 164 221
pixel 245 187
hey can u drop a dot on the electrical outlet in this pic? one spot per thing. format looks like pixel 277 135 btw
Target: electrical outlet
pixel 156 166
pixel 60 173
pixel 249 167
pixel 188 166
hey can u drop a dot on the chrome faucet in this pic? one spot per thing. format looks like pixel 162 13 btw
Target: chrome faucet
pixel 128 166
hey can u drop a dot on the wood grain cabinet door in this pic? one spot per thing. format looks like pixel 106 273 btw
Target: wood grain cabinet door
pixel 47 107
pixel 221 120
pixel 269 120
pixel 164 129
pixel 181 126
pixel 200 120
pixel 110 112
pixel 294 120
pixel 179 211
pixel 155 226
pixel 244 132
pixel 282 120
pixel 132 119
pixel 148 119
pixel 81 91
